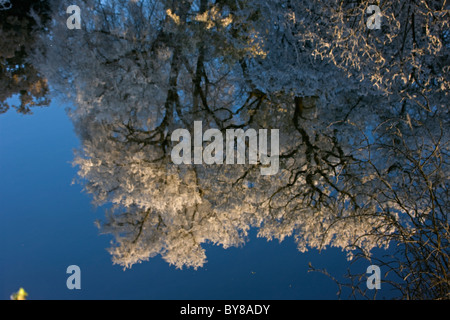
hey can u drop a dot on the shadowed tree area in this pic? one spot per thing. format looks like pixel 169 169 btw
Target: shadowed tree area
pixel 20 22
pixel 363 120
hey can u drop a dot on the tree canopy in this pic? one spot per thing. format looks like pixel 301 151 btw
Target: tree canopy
pixel 362 113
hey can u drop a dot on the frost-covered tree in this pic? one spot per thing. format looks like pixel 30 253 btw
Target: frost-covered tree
pixel 362 116
pixel 149 74
pixel 407 57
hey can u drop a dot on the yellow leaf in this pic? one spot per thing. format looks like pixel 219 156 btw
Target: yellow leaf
pixel 19 295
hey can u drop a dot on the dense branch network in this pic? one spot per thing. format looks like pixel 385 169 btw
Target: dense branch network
pixel 362 117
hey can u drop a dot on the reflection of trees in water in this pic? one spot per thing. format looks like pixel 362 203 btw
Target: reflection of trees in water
pixel 20 23
pixel 363 160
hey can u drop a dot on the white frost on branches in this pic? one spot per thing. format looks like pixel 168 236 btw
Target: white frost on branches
pixel 360 114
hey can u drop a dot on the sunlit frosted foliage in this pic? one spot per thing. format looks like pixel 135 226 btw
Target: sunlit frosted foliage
pixel 362 116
